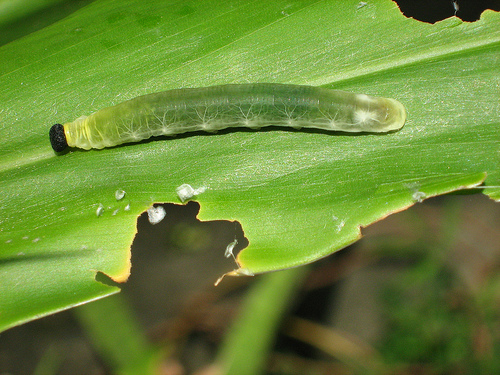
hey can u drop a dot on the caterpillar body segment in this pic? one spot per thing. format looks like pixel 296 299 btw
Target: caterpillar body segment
pixel 218 107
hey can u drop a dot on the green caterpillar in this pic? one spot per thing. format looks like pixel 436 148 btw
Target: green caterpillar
pixel 253 105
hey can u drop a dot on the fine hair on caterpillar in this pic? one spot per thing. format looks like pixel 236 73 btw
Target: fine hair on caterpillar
pixel 252 105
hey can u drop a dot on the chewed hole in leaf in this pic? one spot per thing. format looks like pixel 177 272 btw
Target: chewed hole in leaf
pixel 433 11
pixel 180 231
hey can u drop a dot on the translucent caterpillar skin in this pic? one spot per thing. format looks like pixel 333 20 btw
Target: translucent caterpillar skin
pixel 246 105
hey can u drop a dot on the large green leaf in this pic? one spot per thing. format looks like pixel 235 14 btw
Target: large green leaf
pixel 299 195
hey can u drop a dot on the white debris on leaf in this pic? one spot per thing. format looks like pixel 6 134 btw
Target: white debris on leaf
pixel 156 214
pixel 100 210
pixel 230 248
pixel 419 196
pixel 186 192
pixel 119 194
pixel 340 224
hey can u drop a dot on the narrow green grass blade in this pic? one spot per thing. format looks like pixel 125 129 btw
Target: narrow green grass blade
pixel 246 347
pixel 118 338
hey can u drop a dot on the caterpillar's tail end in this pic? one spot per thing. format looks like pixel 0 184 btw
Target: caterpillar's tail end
pixel 58 138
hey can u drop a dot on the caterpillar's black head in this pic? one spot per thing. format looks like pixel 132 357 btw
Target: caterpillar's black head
pixel 58 138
